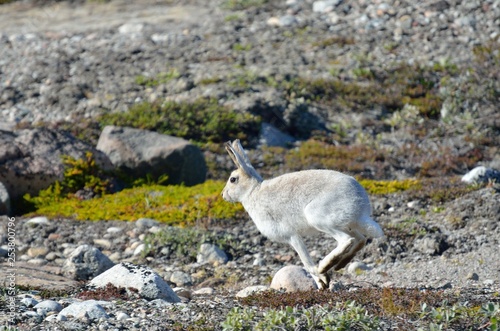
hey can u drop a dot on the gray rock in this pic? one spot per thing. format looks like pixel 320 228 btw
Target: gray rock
pixel 92 308
pixel 210 253
pixel 431 244
pixel 293 279
pixel 86 262
pixel 251 290
pixel 180 278
pixel 29 302
pixel 30 160
pixel 271 136
pixel 147 282
pixel 481 174
pixel 140 152
pixel 146 223
pixel 4 200
pixel 46 306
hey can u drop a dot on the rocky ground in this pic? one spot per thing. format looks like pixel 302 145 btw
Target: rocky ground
pixel 62 64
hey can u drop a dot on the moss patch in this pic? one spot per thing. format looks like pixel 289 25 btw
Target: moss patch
pixel 203 120
pixel 170 204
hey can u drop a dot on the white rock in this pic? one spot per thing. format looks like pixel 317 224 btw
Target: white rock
pixel 4 200
pixel 92 308
pixel 147 282
pixel 139 249
pixel 46 306
pixel 204 291
pixel 251 290
pixel 131 28
pixel 271 136
pixel 293 279
pixel 121 316
pixel 114 230
pixel 38 220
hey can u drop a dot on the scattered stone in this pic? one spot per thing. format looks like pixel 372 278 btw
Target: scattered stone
pixel 4 200
pixel 121 316
pixel 293 279
pixel 146 223
pixel 38 220
pixel 431 244
pixel 271 136
pixel 29 302
pixel 147 282
pixel 204 291
pixel 180 278
pixel 251 290
pixel 91 308
pixel 357 267
pixel 473 276
pixel 46 306
pixel 37 251
pixel 210 253
pixel 140 152
pixel 86 262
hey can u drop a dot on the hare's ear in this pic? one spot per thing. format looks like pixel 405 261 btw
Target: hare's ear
pixel 241 160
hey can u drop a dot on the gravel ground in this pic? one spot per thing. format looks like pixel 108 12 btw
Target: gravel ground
pixel 67 61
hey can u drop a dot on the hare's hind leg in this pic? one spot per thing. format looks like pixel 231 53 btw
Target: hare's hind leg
pixel 359 244
pixel 345 242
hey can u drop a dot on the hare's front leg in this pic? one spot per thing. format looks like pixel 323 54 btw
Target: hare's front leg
pixel 322 280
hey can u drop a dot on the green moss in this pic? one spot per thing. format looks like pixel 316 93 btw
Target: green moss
pixel 170 204
pixel 161 78
pixel 316 154
pixel 242 4
pixel 203 120
pixel 389 186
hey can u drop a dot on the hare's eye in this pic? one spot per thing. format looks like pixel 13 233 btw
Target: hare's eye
pixel 232 179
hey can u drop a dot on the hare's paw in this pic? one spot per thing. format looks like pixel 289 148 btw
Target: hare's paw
pixel 322 281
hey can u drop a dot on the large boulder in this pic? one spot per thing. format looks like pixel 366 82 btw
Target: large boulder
pixel 86 262
pixel 31 159
pixel 140 152
pixel 148 284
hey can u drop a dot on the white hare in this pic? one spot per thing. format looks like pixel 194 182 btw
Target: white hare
pixel 301 203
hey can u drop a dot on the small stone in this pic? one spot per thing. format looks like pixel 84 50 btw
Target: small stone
pixel 29 302
pixel 210 253
pixel 473 276
pixel 38 220
pixel 183 292
pixel 204 291
pixel 357 267
pixel 247 291
pixel 293 279
pixel 121 316
pixel 139 249
pixel 145 223
pixel 90 309
pixel 37 251
pixel 37 262
pixel 180 278
pixel 46 306
pixel 114 230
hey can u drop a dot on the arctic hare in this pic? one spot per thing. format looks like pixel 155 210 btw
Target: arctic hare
pixel 301 203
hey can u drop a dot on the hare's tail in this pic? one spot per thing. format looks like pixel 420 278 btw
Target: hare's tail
pixel 370 228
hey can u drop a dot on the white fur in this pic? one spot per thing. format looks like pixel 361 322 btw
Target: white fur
pixel 302 203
